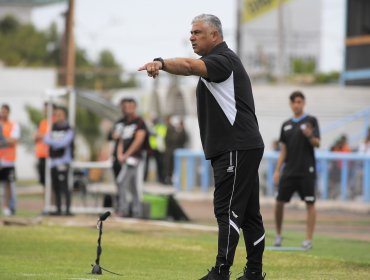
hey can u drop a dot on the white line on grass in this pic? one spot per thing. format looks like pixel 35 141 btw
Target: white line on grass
pixel 171 225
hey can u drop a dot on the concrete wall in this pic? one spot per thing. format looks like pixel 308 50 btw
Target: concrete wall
pixel 328 103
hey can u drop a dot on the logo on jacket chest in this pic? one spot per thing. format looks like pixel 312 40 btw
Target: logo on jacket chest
pixel 288 127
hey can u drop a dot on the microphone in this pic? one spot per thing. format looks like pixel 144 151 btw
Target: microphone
pixel 104 216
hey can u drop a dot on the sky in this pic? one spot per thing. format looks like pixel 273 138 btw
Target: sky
pixel 137 31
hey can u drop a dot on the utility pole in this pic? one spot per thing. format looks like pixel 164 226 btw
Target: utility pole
pixel 238 26
pixel 281 43
pixel 70 47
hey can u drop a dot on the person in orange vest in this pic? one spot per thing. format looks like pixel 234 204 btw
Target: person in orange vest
pixel 10 134
pixel 41 148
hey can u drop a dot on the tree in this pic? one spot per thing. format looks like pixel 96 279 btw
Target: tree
pixel 8 25
pixel 23 45
pixel 303 66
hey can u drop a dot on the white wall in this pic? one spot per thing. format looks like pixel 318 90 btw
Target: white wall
pixel 332 35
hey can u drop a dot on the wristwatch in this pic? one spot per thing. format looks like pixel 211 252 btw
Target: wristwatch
pixel 160 59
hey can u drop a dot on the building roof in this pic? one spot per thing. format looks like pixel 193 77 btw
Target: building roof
pixel 28 3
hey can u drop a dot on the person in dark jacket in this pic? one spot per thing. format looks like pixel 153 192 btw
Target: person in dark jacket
pixel 231 141
pixel 60 140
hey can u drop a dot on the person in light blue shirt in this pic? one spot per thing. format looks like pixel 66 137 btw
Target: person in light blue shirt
pixel 60 140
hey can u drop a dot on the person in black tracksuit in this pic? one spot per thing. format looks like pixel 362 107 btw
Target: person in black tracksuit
pixel 295 169
pixel 231 141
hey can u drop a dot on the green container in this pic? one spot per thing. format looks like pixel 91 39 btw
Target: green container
pixel 158 206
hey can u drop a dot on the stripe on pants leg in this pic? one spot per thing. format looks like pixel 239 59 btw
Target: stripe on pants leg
pixel 231 198
pixel 259 240
pixel 234 226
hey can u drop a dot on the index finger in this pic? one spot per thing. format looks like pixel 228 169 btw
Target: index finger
pixel 142 68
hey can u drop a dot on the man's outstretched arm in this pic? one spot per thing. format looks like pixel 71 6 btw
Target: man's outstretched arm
pixel 176 66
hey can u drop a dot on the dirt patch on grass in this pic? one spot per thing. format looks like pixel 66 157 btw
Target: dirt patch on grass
pixel 337 223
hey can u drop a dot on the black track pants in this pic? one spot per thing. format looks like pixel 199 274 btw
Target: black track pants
pixel 236 206
pixel 59 177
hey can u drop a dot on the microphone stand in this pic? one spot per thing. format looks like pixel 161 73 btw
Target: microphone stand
pixel 96 268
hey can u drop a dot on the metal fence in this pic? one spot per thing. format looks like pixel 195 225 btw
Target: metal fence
pixel 341 176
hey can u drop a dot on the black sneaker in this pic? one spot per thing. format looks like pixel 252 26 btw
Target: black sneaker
pixel 247 275
pixel 214 274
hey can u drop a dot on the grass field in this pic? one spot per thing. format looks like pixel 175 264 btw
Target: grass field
pixel 60 252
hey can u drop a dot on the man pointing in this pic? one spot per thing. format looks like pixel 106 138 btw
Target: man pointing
pixel 231 141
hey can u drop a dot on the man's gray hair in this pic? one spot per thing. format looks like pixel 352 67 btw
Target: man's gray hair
pixel 211 20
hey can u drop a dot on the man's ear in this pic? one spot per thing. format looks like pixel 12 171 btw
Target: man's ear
pixel 215 35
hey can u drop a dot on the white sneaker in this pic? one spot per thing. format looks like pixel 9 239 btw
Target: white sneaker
pixel 7 212
pixel 307 244
pixel 278 241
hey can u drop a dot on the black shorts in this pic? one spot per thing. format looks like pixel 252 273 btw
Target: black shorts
pixel 304 185
pixel 7 174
